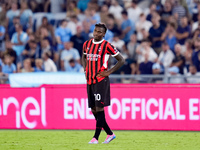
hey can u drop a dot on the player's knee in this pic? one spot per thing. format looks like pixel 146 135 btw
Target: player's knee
pixel 93 110
pixel 98 109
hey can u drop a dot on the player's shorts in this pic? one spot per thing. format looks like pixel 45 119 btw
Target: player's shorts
pixel 99 93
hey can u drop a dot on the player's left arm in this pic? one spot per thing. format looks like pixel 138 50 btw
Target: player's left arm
pixel 120 62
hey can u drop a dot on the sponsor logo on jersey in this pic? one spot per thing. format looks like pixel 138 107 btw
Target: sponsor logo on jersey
pixel 93 57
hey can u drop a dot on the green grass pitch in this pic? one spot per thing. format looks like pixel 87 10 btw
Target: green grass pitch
pixel 78 139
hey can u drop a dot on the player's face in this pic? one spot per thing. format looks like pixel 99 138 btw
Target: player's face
pixel 98 33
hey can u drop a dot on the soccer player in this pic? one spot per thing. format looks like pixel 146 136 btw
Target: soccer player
pixel 95 57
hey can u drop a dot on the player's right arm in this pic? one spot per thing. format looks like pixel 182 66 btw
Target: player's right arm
pixel 83 60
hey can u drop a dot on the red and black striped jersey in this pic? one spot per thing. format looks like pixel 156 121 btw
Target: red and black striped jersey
pixel 97 55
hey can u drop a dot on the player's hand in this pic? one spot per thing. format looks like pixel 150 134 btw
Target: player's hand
pixel 103 74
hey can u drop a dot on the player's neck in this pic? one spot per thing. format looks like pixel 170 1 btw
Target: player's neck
pixel 97 42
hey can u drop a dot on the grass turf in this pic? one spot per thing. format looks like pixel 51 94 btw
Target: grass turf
pixel 77 140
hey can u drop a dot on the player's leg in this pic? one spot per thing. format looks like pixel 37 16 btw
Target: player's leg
pixel 105 127
pixel 91 103
pixel 94 112
pixel 97 130
pixel 100 121
pixel 102 98
pixel 105 90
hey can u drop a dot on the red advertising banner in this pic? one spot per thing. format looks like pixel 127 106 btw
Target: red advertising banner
pixel 133 107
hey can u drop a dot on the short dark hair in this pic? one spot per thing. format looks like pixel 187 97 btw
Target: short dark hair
pixel 63 20
pixel 124 12
pixel 110 16
pixel 74 17
pixel 116 34
pixel 16 17
pixel 101 25
pixel 192 65
pixel 19 25
pixel 45 17
pixel 74 2
pixel 134 1
pixel 45 38
pixel 72 61
pixel 172 24
pixel 48 54
pixel 33 41
pixel 146 40
pixel 165 43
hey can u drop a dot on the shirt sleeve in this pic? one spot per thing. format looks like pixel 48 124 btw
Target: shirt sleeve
pixel 112 50
pixel 188 29
pixel 2 29
pixel 62 55
pixel 129 24
pixel 30 13
pixel 57 32
pixel 8 14
pixel 53 66
pixel 13 38
pixel 24 38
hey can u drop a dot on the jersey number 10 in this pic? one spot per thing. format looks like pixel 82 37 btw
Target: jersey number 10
pixel 97 97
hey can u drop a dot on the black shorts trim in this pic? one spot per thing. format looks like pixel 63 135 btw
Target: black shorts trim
pixel 99 93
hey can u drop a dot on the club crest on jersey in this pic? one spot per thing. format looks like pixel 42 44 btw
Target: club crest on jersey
pixel 99 49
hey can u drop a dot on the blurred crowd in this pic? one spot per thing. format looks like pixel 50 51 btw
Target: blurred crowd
pixel 154 36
